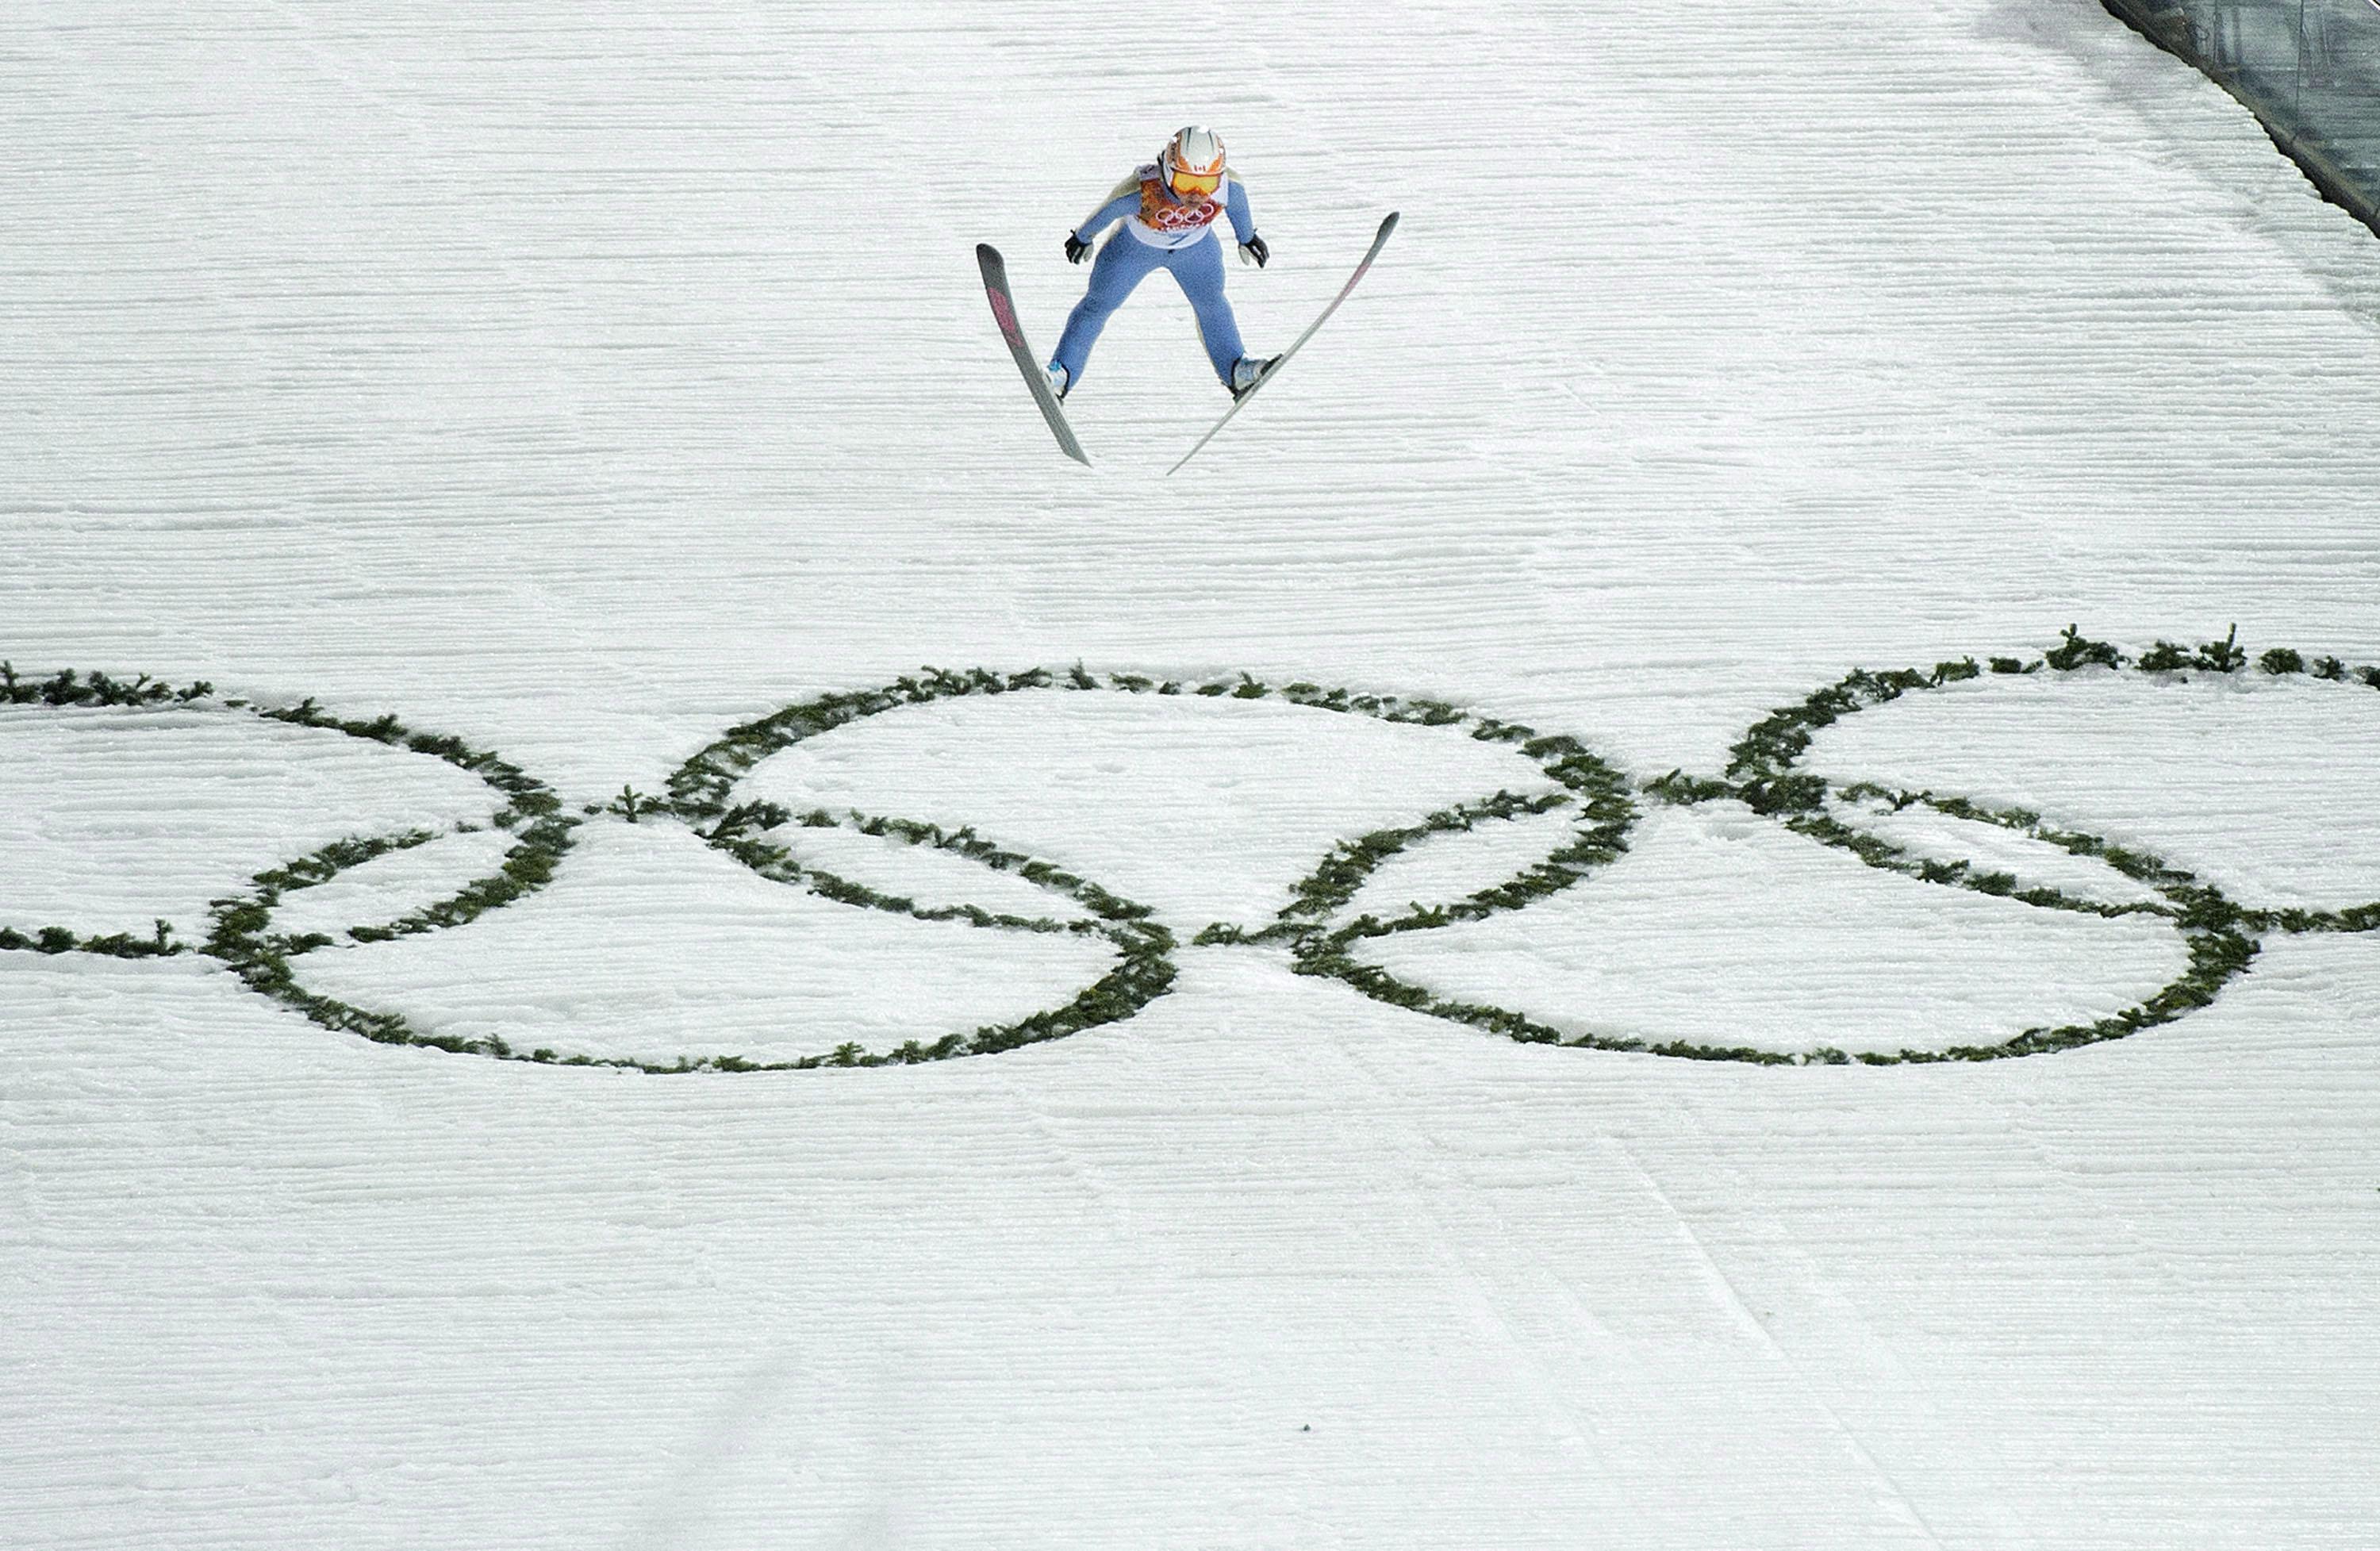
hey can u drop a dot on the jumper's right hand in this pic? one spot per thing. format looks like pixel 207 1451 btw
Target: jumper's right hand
pixel 1077 248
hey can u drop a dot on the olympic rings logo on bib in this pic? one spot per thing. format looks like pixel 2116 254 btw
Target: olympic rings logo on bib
pixel 1577 808
pixel 1159 211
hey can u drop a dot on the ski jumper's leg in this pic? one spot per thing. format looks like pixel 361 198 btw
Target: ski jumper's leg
pixel 1200 270
pixel 1123 264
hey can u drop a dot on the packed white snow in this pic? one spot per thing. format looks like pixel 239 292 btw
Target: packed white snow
pixel 583 379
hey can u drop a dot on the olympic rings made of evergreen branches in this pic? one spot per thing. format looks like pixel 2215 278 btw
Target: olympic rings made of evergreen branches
pixel 1764 773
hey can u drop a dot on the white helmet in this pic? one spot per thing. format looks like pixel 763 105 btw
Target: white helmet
pixel 1193 156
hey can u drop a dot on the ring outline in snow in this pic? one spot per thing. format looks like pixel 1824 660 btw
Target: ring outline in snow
pixel 701 793
pixel 2221 935
pixel 239 933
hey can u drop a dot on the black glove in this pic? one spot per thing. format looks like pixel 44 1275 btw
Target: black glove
pixel 1257 248
pixel 1077 248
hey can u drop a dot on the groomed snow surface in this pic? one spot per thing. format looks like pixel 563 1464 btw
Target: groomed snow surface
pixel 582 380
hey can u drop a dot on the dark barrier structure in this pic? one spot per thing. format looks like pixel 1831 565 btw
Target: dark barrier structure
pixel 2310 69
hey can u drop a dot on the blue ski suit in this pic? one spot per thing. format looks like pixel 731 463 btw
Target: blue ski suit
pixel 1164 231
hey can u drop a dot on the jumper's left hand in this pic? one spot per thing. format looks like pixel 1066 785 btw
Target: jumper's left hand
pixel 1257 250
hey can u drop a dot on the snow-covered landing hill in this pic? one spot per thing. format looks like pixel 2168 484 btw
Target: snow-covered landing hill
pixel 575 383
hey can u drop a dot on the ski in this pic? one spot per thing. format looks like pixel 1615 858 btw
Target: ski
pixel 1003 313
pixel 1379 241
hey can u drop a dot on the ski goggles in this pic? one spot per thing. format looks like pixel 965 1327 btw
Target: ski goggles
pixel 1187 182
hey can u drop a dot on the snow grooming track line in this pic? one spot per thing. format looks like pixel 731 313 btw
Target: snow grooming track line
pixel 1379 241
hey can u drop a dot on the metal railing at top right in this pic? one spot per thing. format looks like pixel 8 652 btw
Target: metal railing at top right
pixel 2310 69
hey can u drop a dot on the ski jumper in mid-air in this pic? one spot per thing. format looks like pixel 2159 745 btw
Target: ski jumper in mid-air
pixel 1168 209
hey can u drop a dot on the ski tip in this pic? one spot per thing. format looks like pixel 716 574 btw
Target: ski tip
pixel 1388 223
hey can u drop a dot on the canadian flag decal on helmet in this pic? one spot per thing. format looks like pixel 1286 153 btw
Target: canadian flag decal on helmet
pixel 1195 156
